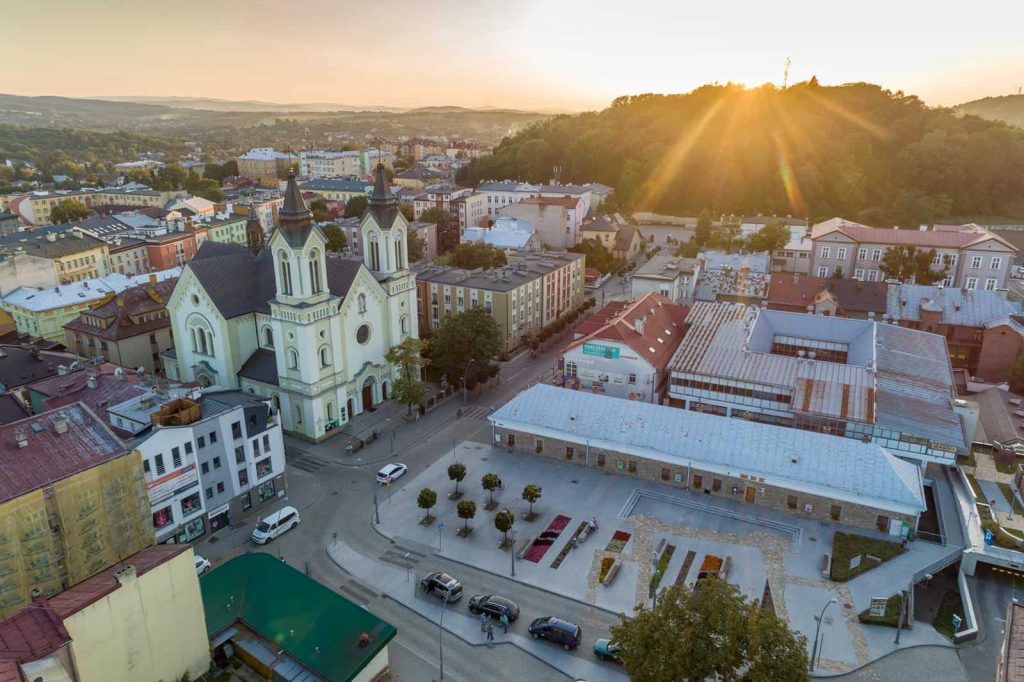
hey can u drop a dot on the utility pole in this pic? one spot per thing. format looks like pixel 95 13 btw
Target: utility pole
pixel 785 74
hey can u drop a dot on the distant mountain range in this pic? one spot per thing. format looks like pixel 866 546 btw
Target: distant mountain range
pixel 1008 108
pixel 213 104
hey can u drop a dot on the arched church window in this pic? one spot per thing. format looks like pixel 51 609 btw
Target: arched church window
pixel 398 251
pixel 374 252
pixel 293 359
pixel 285 270
pixel 268 337
pixel 404 324
pixel 314 271
pixel 325 356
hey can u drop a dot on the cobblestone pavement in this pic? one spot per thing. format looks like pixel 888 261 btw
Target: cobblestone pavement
pixel 924 663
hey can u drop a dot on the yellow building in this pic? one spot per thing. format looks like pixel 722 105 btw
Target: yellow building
pixel 73 502
pixel 264 165
pixel 227 228
pixel 139 619
pixel 36 207
pixel 75 255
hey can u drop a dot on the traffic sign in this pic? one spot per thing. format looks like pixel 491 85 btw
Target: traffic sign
pixel 956 622
pixel 989 538
pixel 440 527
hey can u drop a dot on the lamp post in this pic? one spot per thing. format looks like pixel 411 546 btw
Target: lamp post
pixel 512 551
pixel 440 636
pixel 465 375
pixel 817 630
pixel 899 620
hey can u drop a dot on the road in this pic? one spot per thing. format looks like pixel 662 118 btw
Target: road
pixel 334 493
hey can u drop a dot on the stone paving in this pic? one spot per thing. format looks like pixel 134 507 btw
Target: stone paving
pixel 764 545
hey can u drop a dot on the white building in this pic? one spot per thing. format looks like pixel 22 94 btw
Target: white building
pixel 506 233
pixel 308 330
pixel 795 256
pixel 326 164
pixel 671 276
pixel 501 194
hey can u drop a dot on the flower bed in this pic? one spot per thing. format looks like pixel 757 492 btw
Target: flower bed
pixel 547 538
pixel 618 541
pixel 606 565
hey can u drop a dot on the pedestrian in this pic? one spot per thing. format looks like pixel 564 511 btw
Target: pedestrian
pixel 490 632
pixel 504 622
pixel 483 622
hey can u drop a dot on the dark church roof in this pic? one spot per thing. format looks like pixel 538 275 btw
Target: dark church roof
pixel 382 204
pixel 261 366
pixel 295 217
pixel 254 237
pixel 239 283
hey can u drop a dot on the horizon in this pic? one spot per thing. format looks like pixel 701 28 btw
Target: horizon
pixel 571 57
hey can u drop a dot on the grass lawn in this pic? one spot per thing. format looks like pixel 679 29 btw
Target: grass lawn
pixel 975 488
pixel 1008 494
pixel 892 613
pixel 1005 465
pixel 971 461
pixel 845 546
pixel 950 604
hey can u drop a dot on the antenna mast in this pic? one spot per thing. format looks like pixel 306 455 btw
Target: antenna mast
pixel 785 74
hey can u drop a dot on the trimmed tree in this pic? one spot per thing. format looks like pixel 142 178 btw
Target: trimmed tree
pixel 490 483
pixel 467 510
pixel 426 501
pixel 456 472
pixel 336 239
pixel 503 521
pixel 531 493
pixel 355 207
pixel 409 388
pixel 68 210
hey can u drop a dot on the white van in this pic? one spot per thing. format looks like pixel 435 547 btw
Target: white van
pixel 274 524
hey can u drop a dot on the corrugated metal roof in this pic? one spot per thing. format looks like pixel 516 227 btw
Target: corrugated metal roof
pixel 958 306
pixel 831 466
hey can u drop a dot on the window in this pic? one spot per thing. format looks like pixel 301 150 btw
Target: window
pixel 949 259
pixel 266 491
pixel 995 263
pixel 213 437
pixel 569 451
pixel 264 467
pixel 841 253
pixel 220 487
pixel 188 448
pixel 876 254
pixel 972 283
pixel 822 271
pixel 716 484
pixel 236 430
pixel 268 337
pixel 209 493
pixel 600 459
pixel 632 378
pixel 191 504
pixel 990 284
pixel 205 467
pixel 293 359
pixel 162 517
pixel 859 273
pixel 285 273
pixel 176 457
pixel 256 441
pixel 362 303
pixel 862 253
pixel 363 333
pixel 937 259
pixel 243 477
pixel 835 512
pixel 791 501
pixel 159 461
pixel 315 280
pixel 570 369
pixel 632 466
pixel 620 465
pixel 247 501
pixel 826 252
pixel 240 454
pixel 216 462
pixel 698 481
pixel 325 356
pixel 665 474
pixel 873 276
pixel 266 442
pixel 145 465
pixel 976 262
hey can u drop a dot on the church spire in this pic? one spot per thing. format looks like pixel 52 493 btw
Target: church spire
pixel 382 205
pixel 295 217
pixel 254 237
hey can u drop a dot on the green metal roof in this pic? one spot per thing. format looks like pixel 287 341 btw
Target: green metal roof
pixel 293 611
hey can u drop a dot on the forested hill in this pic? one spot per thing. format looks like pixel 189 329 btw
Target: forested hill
pixel 855 150
pixel 1009 108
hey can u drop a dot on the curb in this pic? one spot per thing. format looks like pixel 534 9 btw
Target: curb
pixel 836 676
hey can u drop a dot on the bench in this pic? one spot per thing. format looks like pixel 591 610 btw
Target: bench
pixel 660 547
pixel 523 546
pixel 612 573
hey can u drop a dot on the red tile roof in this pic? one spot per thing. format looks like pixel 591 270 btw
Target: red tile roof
pixel 29 634
pixel 664 324
pixel 73 387
pixel 50 456
pixel 145 299
pixel 600 318
pixel 943 237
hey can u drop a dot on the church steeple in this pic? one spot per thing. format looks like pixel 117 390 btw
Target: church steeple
pixel 254 236
pixel 295 218
pixel 383 205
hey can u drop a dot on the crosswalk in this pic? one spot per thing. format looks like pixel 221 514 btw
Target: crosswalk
pixel 474 412
pixel 310 463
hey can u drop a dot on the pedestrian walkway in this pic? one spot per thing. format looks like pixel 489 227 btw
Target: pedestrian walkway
pixel 386 415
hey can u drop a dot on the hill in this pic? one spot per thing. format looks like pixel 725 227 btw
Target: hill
pixel 854 150
pixel 1009 109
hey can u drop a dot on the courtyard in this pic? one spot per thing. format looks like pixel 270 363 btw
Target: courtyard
pixel 768 555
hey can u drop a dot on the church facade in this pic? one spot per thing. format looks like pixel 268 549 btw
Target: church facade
pixel 289 321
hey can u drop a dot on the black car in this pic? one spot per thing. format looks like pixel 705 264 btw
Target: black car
pixel 494 606
pixel 443 585
pixel 557 630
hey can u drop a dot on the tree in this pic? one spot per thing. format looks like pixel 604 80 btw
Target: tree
pixel 467 510
pixel 408 387
pixel 408 212
pixel 415 246
pixel 503 521
pixel 336 239
pixel 465 339
pixel 456 472
pixel 490 483
pixel 447 237
pixel 532 493
pixel 702 233
pixel 771 238
pixel 426 501
pixel 598 256
pixel 355 207
pixel 905 262
pixel 711 631
pixel 472 255
pixel 68 210
pixel 203 187
pixel 320 211
pixel 219 171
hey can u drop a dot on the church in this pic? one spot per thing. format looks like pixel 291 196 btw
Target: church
pixel 288 321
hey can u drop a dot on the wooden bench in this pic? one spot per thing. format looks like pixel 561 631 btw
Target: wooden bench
pixel 612 573
pixel 523 546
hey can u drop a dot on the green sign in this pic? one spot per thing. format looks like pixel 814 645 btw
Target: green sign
pixel 609 352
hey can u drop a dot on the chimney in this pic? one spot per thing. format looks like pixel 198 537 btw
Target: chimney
pixel 125 575
pixel 152 278
pixel 51 237
pixel 60 424
pixel 638 325
pixel 62 370
pixel 91 382
pixel 20 438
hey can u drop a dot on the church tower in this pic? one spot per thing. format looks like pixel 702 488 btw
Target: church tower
pixel 254 237
pixel 299 252
pixel 384 231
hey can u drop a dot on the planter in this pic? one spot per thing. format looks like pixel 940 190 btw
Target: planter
pixel 428 520
pixel 455 496
pixel 465 532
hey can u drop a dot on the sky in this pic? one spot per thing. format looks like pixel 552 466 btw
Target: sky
pixel 523 54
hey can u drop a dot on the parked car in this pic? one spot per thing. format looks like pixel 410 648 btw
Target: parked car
pixel 202 565
pixel 607 650
pixel 275 524
pixel 494 606
pixel 391 472
pixel 443 585
pixel 556 630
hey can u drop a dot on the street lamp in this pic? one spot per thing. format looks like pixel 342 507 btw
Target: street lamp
pixel 440 636
pixel 899 620
pixel 465 375
pixel 817 630
pixel 512 551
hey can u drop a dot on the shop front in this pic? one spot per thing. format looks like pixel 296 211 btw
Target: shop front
pixel 219 518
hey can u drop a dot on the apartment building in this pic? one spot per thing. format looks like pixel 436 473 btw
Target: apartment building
pixel 502 193
pixel 466 207
pixel 559 220
pixel 226 228
pixel 330 164
pixel 128 256
pixel 131 329
pixel 418 176
pixel 671 276
pixel 75 495
pixel 264 164
pixel 971 256
pixel 35 208
pixel 532 291
pixel 75 256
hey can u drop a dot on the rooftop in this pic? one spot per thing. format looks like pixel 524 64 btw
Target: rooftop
pixel 62 442
pixel 316 625
pixel 264 154
pixel 941 236
pixel 82 292
pixel 829 466
pixel 1000 421
pixel 663 266
pixel 523 267
pixel 506 233
pixel 49 242
pixel 337 185
pixel 109 385
pixel 1012 666
pixel 567 202
pixel 132 312
pixel 956 306
pixel 850 295
pixel 20 365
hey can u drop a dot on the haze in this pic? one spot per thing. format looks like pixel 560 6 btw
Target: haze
pixel 528 54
